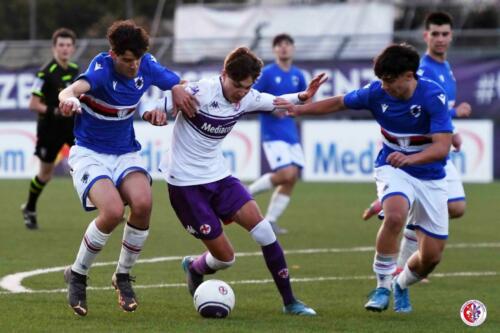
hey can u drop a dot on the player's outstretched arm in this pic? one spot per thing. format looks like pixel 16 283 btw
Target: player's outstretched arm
pixel 329 105
pixel 313 87
pixel 68 97
pixel 463 110
pixel 438 150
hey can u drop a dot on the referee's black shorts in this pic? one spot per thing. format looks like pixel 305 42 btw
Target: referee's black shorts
pixel 52 134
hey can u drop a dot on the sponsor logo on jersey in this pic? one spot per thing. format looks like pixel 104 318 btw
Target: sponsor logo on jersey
pixel 442 98
pixel 216 130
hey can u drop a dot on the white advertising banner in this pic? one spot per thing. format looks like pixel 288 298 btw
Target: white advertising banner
pixel 204 32
pixel 346 150
pixel 17 145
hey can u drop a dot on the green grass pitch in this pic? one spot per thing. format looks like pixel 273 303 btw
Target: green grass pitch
pixel 333 277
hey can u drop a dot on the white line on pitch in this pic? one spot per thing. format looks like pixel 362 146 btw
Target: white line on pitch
pixel 13 282
pixel 264 281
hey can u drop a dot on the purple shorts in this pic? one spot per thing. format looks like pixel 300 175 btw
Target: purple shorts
pixel 200 208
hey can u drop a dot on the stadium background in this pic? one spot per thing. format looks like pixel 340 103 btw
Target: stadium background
pixel 339 37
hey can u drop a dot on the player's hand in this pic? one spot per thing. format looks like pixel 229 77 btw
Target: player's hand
pixel 456 142
pixel 398 160
pixel 70 105
pixel 285 108
pixel 313 87
pixel 155 117
pixel 463 110
pixel 184 102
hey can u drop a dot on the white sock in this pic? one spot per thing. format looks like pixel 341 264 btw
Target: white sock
pixel 384 265
pixel 406 278
pixel 92 243
pixel 277 206
pixel 261 184
pixel 409 245
pixel 132 243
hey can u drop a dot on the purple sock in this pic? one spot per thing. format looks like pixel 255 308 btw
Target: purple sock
pixel 199 265
pixel 275 261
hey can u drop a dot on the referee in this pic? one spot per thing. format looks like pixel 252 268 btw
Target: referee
pixel 53 129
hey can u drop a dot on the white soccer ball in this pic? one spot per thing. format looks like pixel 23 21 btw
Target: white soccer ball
pixel 214 299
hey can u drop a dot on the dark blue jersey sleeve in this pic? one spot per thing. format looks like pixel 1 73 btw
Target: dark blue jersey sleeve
pixel 437 106
pixel 96 73
pixel 358 99
pixel 163 77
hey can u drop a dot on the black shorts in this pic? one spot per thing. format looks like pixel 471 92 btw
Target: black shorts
pixel 52 134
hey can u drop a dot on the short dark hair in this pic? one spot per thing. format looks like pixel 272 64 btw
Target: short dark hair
pixel 63 33
pixel 242 63
pixel 281 37
pixel 438 18
pixel 127 36
pixel 395 60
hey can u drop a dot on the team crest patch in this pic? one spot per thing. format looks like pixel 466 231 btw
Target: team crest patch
pixel 85 177
pixel 416 110
pixel 205 229
pixel 473 313
pixel 283 273
pixel 139 82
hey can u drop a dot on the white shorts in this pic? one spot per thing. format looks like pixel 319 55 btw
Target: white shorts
pixel 427 199
pixel 87 167
pixel 280 154
pixel 455 187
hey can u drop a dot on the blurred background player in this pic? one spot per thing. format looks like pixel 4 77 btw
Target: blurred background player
pixel 107 170
pixel 409 170
pixel 53 129
pixel 202 190
pixel 438 36
pixel 279 135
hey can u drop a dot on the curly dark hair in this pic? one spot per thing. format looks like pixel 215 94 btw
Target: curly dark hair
pixel 395 60
pixel 127 36
pixel 242 63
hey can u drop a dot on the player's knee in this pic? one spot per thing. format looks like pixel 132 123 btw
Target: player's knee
pixel 456 209
pixel 141 206
pixel 394 221
pixel 263 233
pixel 113 214
pixel 217 264
pixel 290 175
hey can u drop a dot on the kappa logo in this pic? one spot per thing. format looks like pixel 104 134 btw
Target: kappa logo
pixel 416 110
pixel 442 98
pixel 191 230
pixel 139 82
pixel 97 66
pixel 384 107
pixel 114 84
pixel 420 72
pixel 441 78
pixel 214 105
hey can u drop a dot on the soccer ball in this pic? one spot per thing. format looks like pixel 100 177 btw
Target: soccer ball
pixel 214 299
